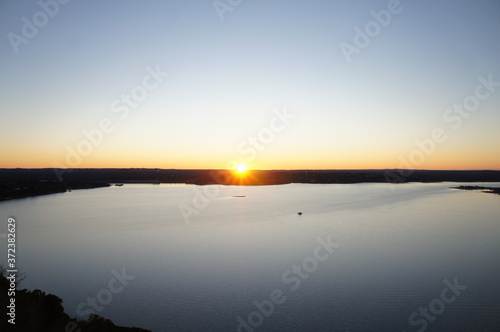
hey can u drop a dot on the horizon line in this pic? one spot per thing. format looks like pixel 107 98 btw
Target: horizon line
pixel 250 169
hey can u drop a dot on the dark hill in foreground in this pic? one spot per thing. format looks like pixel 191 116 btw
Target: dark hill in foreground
pixel 36 311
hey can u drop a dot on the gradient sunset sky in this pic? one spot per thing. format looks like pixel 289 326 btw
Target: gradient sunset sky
pixel 274 84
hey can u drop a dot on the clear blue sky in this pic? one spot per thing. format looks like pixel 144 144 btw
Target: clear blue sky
pixel 225 78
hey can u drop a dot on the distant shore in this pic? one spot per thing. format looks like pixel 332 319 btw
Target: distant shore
pixel 20 183
pixel 489 190
pixel 24 189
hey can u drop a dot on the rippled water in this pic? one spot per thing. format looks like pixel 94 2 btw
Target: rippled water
pixel 396 250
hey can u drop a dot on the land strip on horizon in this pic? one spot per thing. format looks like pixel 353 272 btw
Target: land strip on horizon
pixel 19 182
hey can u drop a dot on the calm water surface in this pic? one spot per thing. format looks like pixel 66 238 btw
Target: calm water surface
pixel 406 258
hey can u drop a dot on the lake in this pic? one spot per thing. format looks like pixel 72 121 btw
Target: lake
pixel 361 257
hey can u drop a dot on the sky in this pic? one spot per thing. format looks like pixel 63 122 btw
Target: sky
pixel 274 84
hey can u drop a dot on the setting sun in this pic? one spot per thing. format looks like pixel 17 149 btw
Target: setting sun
pixel 241 168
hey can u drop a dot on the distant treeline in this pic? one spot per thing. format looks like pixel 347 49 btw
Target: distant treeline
pixel 148 175
pixel 20 188
pixel 17 183
pixel 490 190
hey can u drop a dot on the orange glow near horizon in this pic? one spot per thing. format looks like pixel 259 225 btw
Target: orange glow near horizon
pixel 451 159
pixel 441 163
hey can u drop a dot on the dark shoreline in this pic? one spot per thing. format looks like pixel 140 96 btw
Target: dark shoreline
pixel 21 183
pixel 488 190
pixel 25 189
